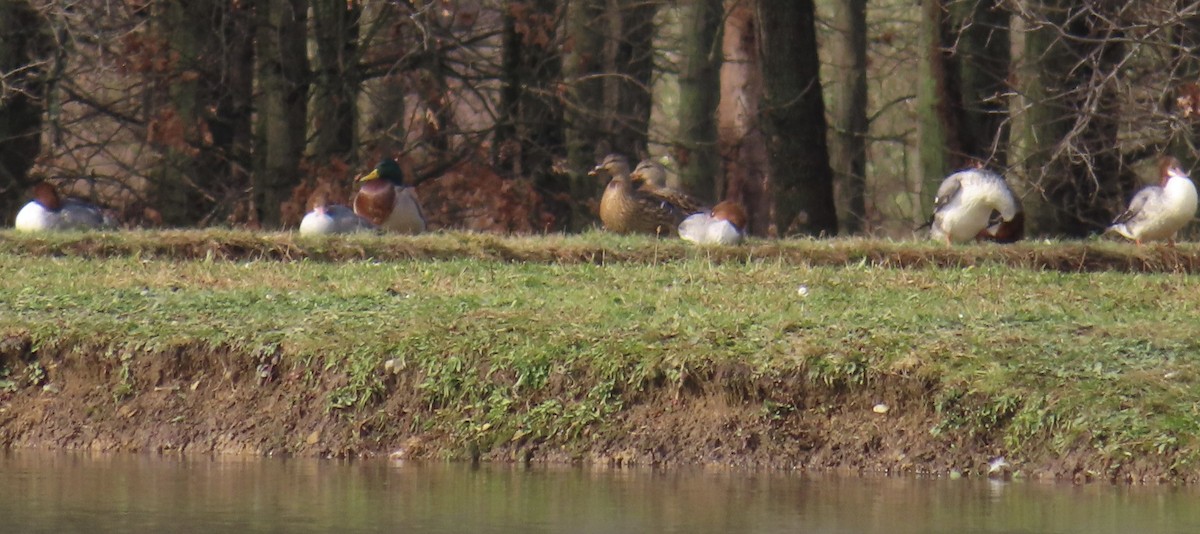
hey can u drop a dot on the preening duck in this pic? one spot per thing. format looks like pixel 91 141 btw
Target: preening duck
pixel 49 211
pixel 725 224
pixel 626 208
pixel 326 218
pixel 976 204
pixel 384 200
pixel 1159 211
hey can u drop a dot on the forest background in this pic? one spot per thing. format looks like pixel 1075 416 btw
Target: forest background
pixel 827 117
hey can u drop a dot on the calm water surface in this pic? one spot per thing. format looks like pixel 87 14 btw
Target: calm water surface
pixel 58 492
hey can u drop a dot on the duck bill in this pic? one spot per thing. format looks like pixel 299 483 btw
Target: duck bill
pixel 373 175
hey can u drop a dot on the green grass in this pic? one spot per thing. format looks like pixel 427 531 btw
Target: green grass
pixel 1039 362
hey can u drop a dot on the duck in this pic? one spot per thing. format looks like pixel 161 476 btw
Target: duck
pixel 626 208
pixel 651 176
pixel 976 203
pixel 326 218
pixel 724 224
pixel 384 200
pixel 49 211
pixel 1158 212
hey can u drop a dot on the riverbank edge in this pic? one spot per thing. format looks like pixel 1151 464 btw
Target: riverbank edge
pixel 197 399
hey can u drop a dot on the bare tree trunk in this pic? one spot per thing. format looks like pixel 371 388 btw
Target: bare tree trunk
pixel 848 147
pixel 1068 140
pixel 982 55
pixel 282 105
pixel 937 124
pixel 699 94
pixel 25 68
pixel 582 67
pixel 742 146
pixel 634 67
pixel 529 130
pixel 336 78
pixel 202 122
pixel 793 118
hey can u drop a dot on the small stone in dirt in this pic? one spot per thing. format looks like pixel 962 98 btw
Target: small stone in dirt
pixel 880 408
pixel 999 467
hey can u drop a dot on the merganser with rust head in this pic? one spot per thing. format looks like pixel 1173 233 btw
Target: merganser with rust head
pixel 725 224
pixel 976 204
pixel 49 211
pixel 384 200
pixel 651 176
pixel 326 218
pixel 1158 212
pixel 627 208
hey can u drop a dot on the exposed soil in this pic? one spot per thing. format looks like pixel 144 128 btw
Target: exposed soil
pixel 220 401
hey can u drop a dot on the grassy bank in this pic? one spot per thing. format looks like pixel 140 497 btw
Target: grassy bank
pixel 451 346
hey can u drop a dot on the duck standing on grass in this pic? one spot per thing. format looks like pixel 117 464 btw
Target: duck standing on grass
pixel 976 204
pixel 384 200
pixel 49 211
pixel 725 224
pixel 626 208
pixel 325 218
pixel 1159 211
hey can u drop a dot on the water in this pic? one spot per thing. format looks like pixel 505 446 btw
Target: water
pixel 60 492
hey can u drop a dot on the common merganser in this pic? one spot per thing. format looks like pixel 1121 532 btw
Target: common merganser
pixel 725 224
pixel 49 211
pixel 384 200
pixel 626 208
pixel 326 218
pixel 976 204
pixel 1159 211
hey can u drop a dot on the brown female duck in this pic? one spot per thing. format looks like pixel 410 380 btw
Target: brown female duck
pixel 626 208
pixel 651 176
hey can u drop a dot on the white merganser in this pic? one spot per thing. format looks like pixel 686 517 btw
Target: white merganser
pixel 325 218
pixel 49 211
pixel 1159 211
pixel 725 224
pixel 976 204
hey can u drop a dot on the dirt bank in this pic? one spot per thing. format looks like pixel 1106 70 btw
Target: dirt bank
pixel 204 400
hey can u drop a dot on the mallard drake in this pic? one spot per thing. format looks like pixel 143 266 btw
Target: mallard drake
pixel 49 211
pixel 976 204
pixel 1159 211
pixel 384 201
pixel 725 224
pixel 325 218
pixel 625 208
pixel 651 176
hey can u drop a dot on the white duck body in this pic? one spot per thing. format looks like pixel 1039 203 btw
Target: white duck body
pixel 332 219
pixel 34 217
pixel 1158 212
pixel 704 229
pixel 965 202
pixel 48 211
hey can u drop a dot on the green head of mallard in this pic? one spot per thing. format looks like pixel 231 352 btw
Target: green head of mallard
pixel 387 170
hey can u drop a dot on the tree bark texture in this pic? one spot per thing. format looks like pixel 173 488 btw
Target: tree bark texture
pixel 793 119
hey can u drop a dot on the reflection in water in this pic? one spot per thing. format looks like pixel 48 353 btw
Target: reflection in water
pixel 52 492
